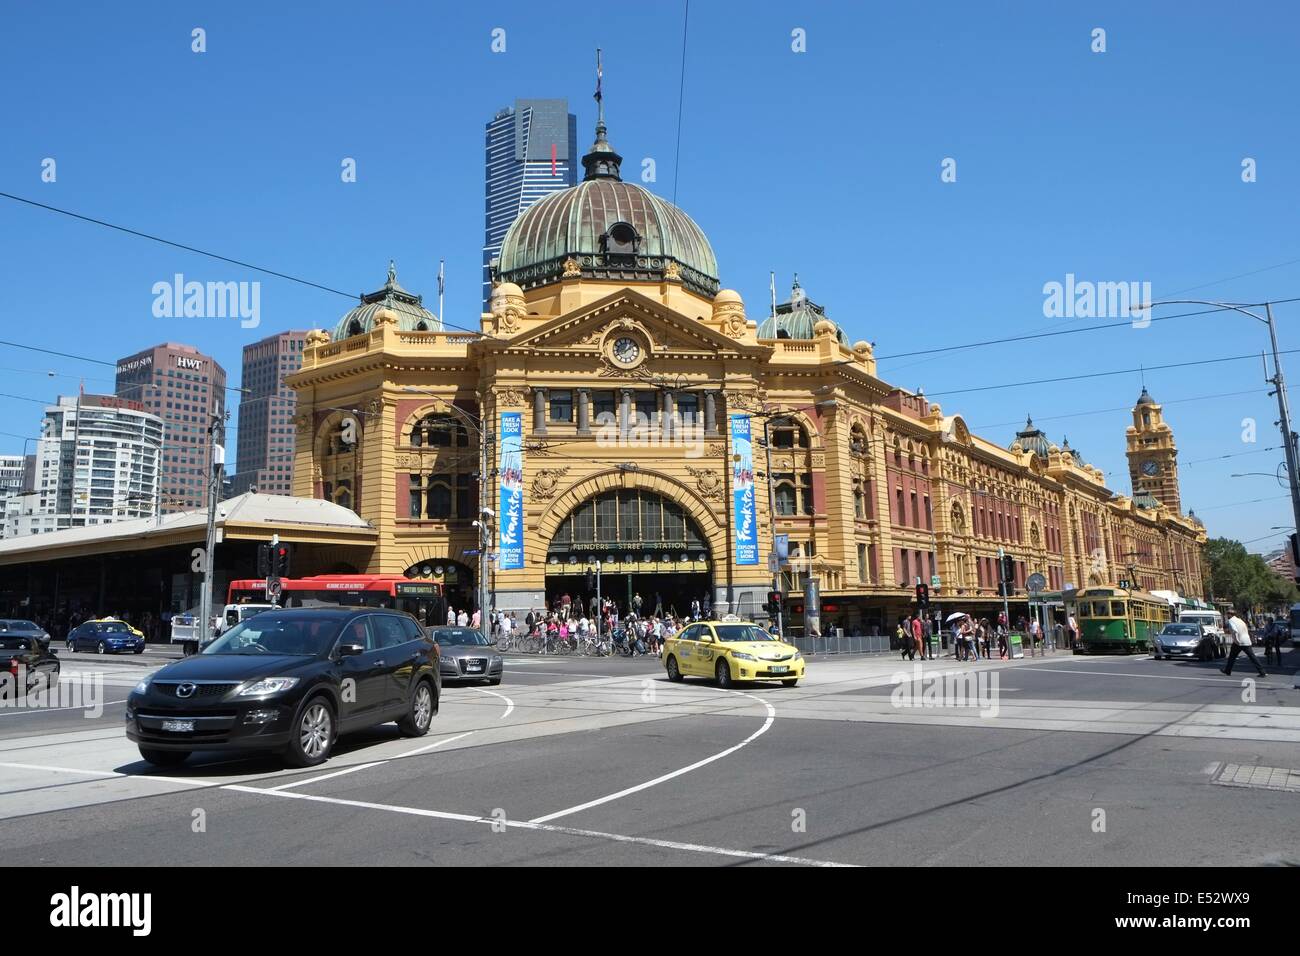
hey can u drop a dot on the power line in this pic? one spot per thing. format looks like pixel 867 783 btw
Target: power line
pixel 211 255
pixel 1252 501
pixel 1123 408
pixel 1122 371
pixel 681 100
pixel 1128 323
pixel 1238 454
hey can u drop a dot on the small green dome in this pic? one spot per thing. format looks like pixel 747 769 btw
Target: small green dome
pixel 797 319
pixel 412 316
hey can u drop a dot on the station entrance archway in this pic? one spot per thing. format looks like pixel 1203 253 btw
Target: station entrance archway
pixel 646 544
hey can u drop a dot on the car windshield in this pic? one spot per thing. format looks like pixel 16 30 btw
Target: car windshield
pixel 114 628
pixel 27 627
pixel 298 635
pixel 741 633
pixel 457 637
pixel 1181 630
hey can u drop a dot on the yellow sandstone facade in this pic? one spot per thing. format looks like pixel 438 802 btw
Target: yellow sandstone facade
pixel 608 335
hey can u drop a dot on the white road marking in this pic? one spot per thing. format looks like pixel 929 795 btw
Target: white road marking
pixel 428 747
pixel 110 774
pixel 510 704
pixel 1222 680
pixel 547 828
pixel 771 716
pixel 327 776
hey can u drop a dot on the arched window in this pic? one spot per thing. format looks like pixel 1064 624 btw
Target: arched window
pixel 793 495
pixel 858 440
pixel 338 456
pixel 859 500
pixel 439 431
pixel 354 327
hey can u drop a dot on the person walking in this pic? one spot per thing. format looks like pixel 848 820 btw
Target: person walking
pixel 901 634
pixel 1273 644
pixel 462 619
pixel 917 634
pixel 1239 634
pixel 451 616
pixel 927 635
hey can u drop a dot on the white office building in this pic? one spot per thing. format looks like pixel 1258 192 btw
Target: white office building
pixel 96 462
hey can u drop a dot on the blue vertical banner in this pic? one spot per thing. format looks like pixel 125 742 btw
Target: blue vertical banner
pixel 744 512
pixel 511 550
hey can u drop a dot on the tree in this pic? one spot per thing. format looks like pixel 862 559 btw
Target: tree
pixel 1245 579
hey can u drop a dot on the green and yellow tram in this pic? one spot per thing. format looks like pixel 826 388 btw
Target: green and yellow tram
pixel 1115 619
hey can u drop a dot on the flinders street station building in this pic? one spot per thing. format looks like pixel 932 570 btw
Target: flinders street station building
pixel 619 405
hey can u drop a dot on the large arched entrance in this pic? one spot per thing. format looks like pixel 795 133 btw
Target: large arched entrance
pixel 647 546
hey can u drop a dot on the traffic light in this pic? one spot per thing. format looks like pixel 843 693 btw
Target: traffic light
pixel 264 560
pixel 922 595
pixel 280 561
pixel 1008 573
pixel 591 580
pixel 773 605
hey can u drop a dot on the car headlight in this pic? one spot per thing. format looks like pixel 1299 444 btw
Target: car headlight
pixel 798 656
pixel 143 686
pixel 742 656
pixel 267 685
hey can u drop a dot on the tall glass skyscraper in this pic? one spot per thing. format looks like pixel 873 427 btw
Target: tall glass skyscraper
pixel 532 151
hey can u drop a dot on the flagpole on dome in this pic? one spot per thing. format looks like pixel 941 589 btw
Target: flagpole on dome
pixel 442 284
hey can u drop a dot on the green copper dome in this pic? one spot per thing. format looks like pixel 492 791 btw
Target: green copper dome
pixel 797 319
pixel 412 316
pixel 611 229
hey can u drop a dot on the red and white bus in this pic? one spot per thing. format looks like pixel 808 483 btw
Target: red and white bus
pixel 423 599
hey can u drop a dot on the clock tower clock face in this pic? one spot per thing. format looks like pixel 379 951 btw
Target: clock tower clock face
pixel 1150 468
pixel 626 351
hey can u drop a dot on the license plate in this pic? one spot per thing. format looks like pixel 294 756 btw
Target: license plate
pixel 474 667
pixel 778 669
pixel 179 726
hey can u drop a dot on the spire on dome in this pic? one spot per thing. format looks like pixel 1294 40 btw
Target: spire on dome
pixel 601 162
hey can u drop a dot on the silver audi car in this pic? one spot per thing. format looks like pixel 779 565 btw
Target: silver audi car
pixel 466 655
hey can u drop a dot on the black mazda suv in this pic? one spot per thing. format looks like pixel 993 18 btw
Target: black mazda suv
pixel 289 681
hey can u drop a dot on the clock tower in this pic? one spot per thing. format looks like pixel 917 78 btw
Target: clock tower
pixel 1152 456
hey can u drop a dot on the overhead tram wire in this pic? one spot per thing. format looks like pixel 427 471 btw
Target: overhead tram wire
pixel 1122 371
pixel 681 100
pixel 1121 408
pixel 211 255
pixel 1127 323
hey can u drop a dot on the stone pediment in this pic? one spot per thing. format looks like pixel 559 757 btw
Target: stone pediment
pixel 663 329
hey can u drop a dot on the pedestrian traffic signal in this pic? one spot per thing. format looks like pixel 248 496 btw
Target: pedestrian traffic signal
pixel 264 560
pixel 591 580
pixel 1008 569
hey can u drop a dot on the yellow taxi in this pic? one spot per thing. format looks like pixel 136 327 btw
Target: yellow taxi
pixel 731 650
pixel 117 620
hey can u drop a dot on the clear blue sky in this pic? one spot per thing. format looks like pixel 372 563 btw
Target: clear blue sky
pixel 1123 165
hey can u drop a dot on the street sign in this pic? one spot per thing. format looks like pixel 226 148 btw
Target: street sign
pixel 273 590
pixel 1036 583
pixel 773 562
pixel 934 580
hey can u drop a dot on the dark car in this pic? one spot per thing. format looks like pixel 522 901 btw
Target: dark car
pixel 290 681
pixel 1186 639
pixel 105 637
pixel 25 629
pixel 26 663
pixel 466 655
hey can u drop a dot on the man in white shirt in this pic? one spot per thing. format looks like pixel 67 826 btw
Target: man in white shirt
pixel 1239 635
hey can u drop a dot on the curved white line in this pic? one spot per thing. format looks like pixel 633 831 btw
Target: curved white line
pixel 771 717
pixel 510 704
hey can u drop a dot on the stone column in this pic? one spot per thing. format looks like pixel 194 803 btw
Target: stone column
pixel 624 411
pixel 668 417
pixel 710 414
pixel 584 411
pixel 539 411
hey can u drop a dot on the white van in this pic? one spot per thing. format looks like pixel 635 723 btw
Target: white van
pixel 1210 621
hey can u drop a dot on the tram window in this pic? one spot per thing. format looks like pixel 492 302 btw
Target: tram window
pixel 1083 609
pixel 1117 609
pixel 1099 609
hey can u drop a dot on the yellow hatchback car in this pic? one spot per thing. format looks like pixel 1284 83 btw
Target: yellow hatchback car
pixel 731 651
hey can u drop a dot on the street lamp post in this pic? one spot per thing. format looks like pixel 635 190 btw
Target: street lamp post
pixel 1276 380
